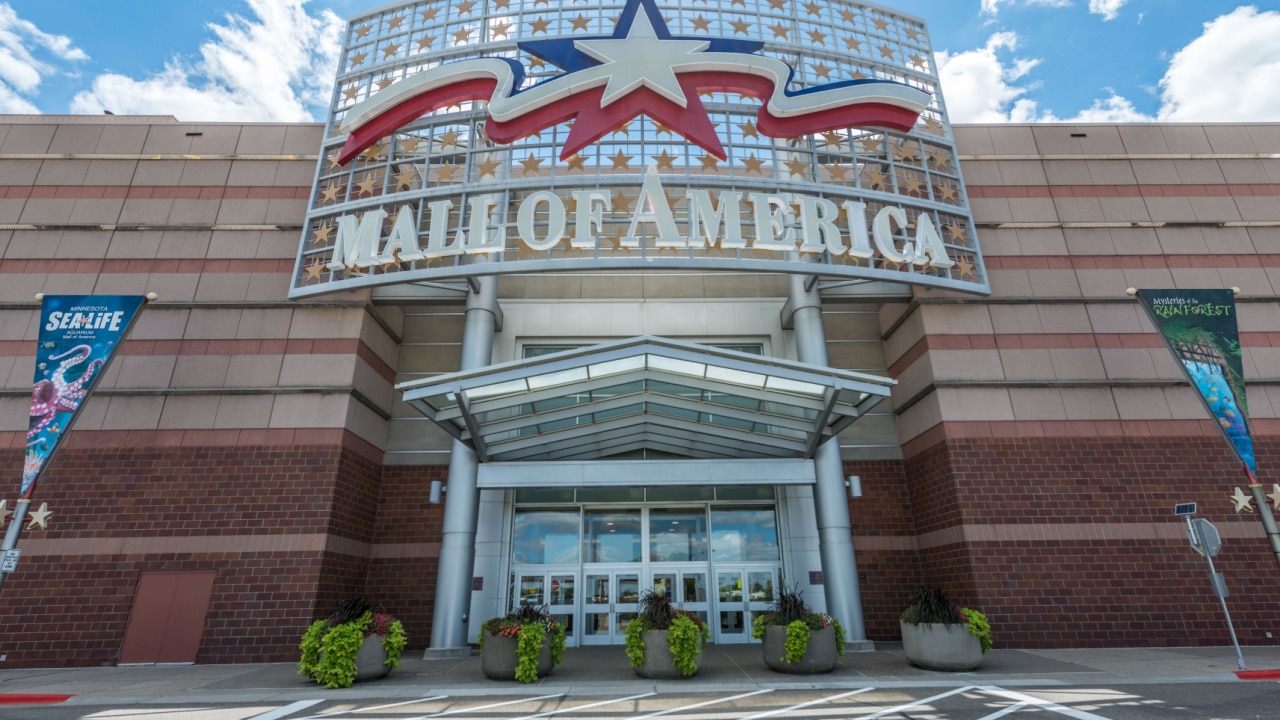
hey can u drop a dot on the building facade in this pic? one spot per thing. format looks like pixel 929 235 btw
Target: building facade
pixel 292 423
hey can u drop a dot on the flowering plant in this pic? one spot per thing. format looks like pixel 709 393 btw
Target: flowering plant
pixel 930 605
pixel 791 611
pixel 528 626
pixel 687 632
pixel 329 646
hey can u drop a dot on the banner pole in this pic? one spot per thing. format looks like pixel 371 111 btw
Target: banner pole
pixel 15 528
pixel 1264 513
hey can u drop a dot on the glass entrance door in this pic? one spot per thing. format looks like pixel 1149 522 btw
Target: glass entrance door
pixel 686 588
pixel 555 589
pixel 741 593
pixel 612 598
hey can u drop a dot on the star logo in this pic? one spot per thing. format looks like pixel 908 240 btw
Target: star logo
pixel 640 69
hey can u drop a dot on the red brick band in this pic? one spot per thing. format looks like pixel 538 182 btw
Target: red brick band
pixel 1135 190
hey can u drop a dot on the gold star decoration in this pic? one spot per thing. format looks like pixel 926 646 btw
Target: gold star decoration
pixel 536 62
pixel 822 71
pixel 940 159
pixel 838 173
pixel 393 263
pixel 753 164
pixel 390 51
pixel 797 167
pixel 965 268
pixel 749 130
pixel 330 194
pixel 660 129
pixel 405 178
pixel 875 179
pixel 409 144
pixel 912 33
pixel 1243 502
pixel 859 75
pixel 852 44
pixel 621 203
pixel 580 22
pixel 958 232
pixel 430 14
pixel 358 59
pixel 465 6
pixel 817 38
pixel 710 162
pixel 701 23
pixel 501 4
pixel 873 147
pixel 395 22
pixel 576 162
pixel 621 161
pixel 39 517
pixel 914 186
pixel 365 187
pixel 350 93
pixel 779 30
pixel 445 173
pixel 778 4
pixel 947 192
pixel 462 36
pixel 624 129
pixel 540 25
pixel 488 167
pixel 425 42
pixel 449 139
pixel 848 16
pixel 833 139
pixel 813 8
pixel 740 26
pixel 500 30
pixel 386 82
pixel 932 125
pixel 314 270
pixel 919 63
pixel 531 164
pixel 1274 495
pixel 881 24
pixel 322 234
pixel 664 161
pixel 886 51
pixel 375 152
pixel 362 32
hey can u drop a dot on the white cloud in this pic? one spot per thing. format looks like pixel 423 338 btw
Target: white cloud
pixel 277 66
pixel 1228 74
pixel 1108 9
pixel 978 86
pixel 20 70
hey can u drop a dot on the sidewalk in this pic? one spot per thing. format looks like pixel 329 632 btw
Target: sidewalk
pixel 604 670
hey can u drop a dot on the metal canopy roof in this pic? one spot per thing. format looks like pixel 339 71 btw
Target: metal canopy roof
pixel 646 393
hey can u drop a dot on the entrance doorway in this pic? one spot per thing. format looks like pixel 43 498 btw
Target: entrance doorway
pixel 741 594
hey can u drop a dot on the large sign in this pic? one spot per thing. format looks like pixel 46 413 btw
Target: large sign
pixel 79 334
pixel 1199 327
pixel 497 136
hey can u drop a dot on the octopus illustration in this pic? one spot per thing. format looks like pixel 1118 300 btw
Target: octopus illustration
pixel 57 394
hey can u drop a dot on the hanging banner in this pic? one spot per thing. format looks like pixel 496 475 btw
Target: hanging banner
pixel 79 334
pixel 1199 327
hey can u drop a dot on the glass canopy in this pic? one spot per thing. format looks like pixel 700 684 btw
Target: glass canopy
pixel 646 393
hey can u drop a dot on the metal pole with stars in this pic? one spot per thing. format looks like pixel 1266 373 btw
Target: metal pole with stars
pixel 1244 503
pixel 92 326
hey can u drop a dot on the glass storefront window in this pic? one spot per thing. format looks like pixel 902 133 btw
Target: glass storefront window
pixel 611 536
pixel 744 535
pixel 545 536
pixel 677 535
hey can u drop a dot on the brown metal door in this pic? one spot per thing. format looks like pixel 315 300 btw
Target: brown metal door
pixel 167 621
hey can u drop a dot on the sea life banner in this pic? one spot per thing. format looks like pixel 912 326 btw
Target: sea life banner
pixel 79 334
pixel 1200 329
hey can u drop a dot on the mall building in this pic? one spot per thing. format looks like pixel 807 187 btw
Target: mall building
pixel 564 303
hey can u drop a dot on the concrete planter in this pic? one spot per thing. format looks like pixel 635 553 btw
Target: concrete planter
pixel 941 647
pixel 498 657
pixel 819 657
pixel 371 659
pixel 658 662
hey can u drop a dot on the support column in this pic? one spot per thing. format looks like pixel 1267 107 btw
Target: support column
pixel 830 496
pixel 452 615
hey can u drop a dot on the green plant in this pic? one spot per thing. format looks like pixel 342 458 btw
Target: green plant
pixel 528 625
pixel 687 633
pixel 793 613
pixel 329 646
pixel 929 604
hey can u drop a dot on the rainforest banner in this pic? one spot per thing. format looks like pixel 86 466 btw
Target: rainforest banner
pixel 78 336
pixel 1200 329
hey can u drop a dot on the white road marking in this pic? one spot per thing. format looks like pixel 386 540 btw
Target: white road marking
pixel 286 710
pixel 1006 711
pixel 701 704
pixel 487 707
pixel 805 705
pixel 917 703
pixel 583 707
pixel 378 707
pixel 1045 704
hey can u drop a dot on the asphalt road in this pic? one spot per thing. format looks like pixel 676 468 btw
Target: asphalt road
pixel 1209 701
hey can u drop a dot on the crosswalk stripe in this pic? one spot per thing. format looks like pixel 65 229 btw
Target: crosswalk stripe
pixel 805 705
pixel 1009 710
pixel 286 710
pixel 487 707
pixel 1045 704
pixel 917 703
pixel 701 704
pixel 376 707
pixel 584 707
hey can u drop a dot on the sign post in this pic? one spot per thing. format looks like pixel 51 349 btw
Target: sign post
pixel 79 336
pixel 1205 540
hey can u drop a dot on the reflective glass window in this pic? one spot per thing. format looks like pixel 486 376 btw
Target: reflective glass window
pixel 743 534
pixel 611 536
pixel 677 535
pixel 545 536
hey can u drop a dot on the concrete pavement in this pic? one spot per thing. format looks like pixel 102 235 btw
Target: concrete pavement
pixel 604 671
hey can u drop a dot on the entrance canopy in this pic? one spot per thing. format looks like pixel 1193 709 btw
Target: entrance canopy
pixel 646 393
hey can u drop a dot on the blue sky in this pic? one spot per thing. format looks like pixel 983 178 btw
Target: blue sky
pixel 1001 60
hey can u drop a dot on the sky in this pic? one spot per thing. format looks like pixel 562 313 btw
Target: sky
pixel 1017 61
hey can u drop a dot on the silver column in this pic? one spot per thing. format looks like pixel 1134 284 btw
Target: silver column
pixel 452 614
pixel 830 497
